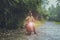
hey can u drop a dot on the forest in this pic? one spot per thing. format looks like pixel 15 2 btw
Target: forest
pixel 14 12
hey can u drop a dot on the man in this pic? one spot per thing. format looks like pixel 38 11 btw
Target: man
pixel 30 26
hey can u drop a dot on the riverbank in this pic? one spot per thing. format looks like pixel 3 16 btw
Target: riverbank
pixel 12 34
pixel 16 34
pixel 57 22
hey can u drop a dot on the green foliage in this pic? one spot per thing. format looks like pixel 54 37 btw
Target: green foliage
pixel 54 13
pixel 13 12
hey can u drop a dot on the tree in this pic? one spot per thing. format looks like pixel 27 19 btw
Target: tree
pixel 13 12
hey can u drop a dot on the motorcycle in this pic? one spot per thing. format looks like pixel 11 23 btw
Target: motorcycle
pixel 30 27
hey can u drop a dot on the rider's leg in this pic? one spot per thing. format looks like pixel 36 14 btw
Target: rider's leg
pixel 34 30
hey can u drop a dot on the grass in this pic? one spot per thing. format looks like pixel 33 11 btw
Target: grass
pixel 57 22
pixel 38 23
